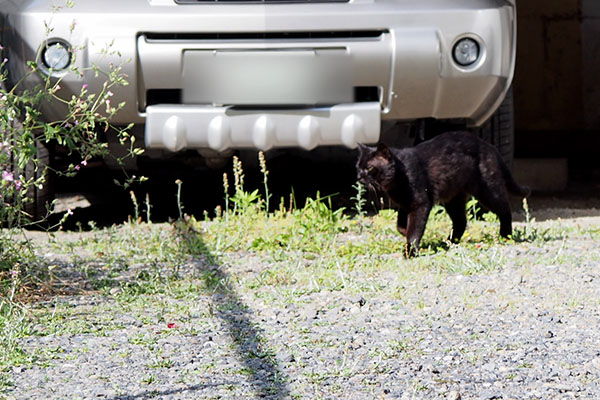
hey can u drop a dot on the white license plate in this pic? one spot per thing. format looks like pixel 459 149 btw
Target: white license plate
pixel 282 77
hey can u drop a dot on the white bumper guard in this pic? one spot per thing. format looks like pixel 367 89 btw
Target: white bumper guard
pixel 178 127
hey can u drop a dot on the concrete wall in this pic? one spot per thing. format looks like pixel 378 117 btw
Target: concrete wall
pixel 557 79
pixel 590 43
pixel 548 80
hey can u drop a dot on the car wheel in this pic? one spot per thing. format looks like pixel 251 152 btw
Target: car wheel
pixel 39 197
pixel 499 130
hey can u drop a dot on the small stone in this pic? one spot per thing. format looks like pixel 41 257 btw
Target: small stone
pixel 565 388
pixel 490 367
pixel 454 395
pixel 487 395
pixel 288 358
pixel 359 300
pixel 115 291
pixel 431 368
pixel 310 313
pixel 549 334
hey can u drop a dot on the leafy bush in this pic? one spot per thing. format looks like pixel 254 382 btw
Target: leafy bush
pixel 25 137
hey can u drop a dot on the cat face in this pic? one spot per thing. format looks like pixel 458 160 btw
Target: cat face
pixel 375 167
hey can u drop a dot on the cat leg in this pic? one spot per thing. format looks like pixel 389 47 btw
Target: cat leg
pixel 402 221
pixel 496 199
pixel 456 210
pixel 416 221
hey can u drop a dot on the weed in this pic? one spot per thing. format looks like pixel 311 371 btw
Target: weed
pixel 226 190
pixel 244 202
pixel 179 204
pixel 530 232
pixel 148 207
pixel 162 363
pixel 136 213
pixel 265 173
pixel 287 255
pixel 359 199
pixel 14 324
pixel 149 379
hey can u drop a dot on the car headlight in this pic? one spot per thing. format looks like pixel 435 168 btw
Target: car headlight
pixel 466 52
pixel 56 56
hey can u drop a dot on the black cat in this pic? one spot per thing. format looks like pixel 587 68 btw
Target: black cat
pixel 446 170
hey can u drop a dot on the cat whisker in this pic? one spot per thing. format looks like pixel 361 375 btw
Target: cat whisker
pixel 372 189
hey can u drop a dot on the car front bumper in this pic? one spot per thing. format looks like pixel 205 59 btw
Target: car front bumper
pixel 401 48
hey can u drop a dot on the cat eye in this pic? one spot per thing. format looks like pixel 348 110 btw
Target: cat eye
pixel 370 169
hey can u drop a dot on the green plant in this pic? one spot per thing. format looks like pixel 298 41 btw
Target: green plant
pixel 226 190
pixel 25 137
pixel 241 199
pixel 359 199
pixel 148 207
pixel 473 208
pixel 530 232
pixel 265 173
pixel 13 325
pixel 136 207
pixel 178 182
pixel 25 170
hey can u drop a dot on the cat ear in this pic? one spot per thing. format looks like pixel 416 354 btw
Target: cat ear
pixel 362 148
pixel 384 151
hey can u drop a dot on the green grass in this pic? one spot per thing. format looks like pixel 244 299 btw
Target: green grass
pixel 153 272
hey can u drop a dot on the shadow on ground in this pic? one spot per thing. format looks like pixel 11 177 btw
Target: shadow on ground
pixel 268 380
pixel 94 198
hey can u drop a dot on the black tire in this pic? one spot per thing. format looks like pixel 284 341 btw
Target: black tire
pixel 38 198
pixel 499 130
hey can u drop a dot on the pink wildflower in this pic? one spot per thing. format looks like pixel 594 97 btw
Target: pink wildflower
pixel 8 176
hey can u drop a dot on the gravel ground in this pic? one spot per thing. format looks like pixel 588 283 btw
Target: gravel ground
pixel 527 330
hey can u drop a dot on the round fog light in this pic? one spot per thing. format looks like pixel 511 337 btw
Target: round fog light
pixel 56 56
pixel 466 52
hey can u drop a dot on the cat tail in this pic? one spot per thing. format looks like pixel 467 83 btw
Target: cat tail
pixel 512 185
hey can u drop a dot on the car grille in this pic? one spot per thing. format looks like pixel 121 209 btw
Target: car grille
pixel 320 35
pixel 258 1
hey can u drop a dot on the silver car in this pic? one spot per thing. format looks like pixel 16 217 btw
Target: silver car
pixel 222 75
